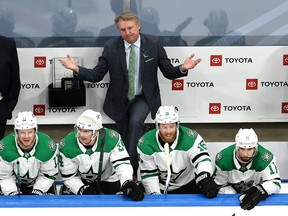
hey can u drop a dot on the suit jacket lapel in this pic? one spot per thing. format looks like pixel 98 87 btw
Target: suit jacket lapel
pixel 143 51
pixel 122 56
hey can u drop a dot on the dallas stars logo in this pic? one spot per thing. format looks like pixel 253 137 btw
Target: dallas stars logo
pixel 266 156
pixel 2 145
pixel 192 133
pixel 141 141
pixel 62 143
pixel 218 156
pixel 52 145
pixel 113 134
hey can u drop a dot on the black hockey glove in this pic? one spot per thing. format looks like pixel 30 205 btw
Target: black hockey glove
pixel 251 197
pixel 36 192
pixel 87 190
pixel 132 189
pixel 207 185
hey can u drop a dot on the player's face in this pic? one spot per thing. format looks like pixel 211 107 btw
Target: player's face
pixel 129 30
pixel 85 136
pixel 168 132
pixel 246 154
pixel 26 138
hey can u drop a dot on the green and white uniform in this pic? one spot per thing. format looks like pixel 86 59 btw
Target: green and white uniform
pixel 188 155
pixel 261 170
pixel 38 167
pixel 77 162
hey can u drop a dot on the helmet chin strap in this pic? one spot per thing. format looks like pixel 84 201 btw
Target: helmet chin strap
pixel 93 138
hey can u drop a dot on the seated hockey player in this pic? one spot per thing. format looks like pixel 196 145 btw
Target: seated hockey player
pixel 173 159
pixel 28 159
pixel 247 168
pixel 93 160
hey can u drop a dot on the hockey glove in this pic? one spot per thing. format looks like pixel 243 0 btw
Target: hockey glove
pixel 207 185
pixel 132 189
pixel 251 197
pixel 14 193
pixel 87 190
pixel 37 192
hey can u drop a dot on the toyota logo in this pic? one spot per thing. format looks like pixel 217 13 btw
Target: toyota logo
pixel 40 62
pixel 285 108
pixel 252 84
pixel 177 84
pixel 214 108
pixel 39 110
pixel 216 60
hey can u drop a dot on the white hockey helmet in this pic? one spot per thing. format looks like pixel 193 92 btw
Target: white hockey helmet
pixel 246 138
pixel 90 120
pixel 25 120
pixel 167 115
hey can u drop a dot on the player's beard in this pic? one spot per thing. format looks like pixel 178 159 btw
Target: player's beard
pixel 168 137
pixel 246 159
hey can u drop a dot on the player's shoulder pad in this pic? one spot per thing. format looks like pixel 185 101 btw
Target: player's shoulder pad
pixel 2 145
pixel 52 145
pixel 113 134
pixel 265 154
pixel 218 156
pixel 10 138
pixel 141 141
pixel 44 138
pixel 192 133
pixel 62 143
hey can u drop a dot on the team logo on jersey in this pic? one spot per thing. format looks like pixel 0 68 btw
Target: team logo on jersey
pixel 62 143
pixel 266 156
pixel 52 145
pixel 140 159
pixel 2 145
pixel 192 133
pixel 113 134
pixel 120 146
pixel 218 156
pixel 141 141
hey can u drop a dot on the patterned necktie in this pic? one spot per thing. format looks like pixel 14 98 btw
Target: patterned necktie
pixel 131 73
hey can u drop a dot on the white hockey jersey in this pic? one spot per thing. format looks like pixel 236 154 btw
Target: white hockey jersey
pixel 188 157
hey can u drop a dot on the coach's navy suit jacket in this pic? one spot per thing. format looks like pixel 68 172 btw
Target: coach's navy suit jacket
pixel 9 76
pixel 113 59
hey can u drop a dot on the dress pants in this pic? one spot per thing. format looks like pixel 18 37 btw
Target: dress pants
pixel 132 127
pixel 3 118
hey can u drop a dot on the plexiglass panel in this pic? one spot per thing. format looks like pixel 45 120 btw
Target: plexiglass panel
pixel 89 23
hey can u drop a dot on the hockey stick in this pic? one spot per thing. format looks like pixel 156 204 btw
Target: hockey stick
pixel 18 178
pixel 102 132
pixel 168 163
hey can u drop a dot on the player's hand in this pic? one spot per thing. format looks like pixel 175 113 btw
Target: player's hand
pixel 251 197
pixel 132 189
pixel 87 190
pixel 207 185
pixel 37 192
pixel 14 193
